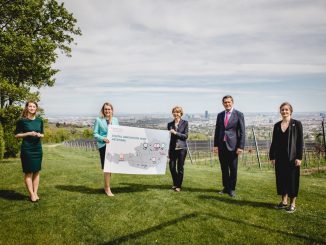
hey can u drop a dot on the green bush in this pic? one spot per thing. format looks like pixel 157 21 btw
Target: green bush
pixel 88 133
pixel 2 143
pixel 8 118
pixel 197 137
pixel 12 145
pixel 56 135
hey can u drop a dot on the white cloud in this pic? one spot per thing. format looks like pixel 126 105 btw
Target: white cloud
pixel 187 46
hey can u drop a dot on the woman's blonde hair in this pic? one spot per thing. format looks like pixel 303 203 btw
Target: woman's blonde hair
pixel 288 104
pixel 102 109
pixel 25 111
pixel 177 109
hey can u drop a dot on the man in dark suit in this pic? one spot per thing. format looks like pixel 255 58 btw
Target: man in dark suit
pixel 229 142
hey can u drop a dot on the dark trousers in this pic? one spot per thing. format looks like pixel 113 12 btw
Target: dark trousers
pixel 229 167
pixel 287 178
pixel 102 155
pixel 177 159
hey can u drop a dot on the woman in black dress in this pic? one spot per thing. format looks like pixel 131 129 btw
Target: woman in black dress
pixel 286 154
pixel 178 147
pixel 30 128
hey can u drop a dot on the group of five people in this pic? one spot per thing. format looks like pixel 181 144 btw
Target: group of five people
pixel 229 140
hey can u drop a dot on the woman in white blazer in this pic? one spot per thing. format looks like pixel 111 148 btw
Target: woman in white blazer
pixel 100 134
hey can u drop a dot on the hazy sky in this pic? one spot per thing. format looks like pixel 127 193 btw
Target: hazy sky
pixel 147 56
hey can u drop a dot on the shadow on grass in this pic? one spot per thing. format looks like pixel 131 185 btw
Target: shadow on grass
pixel 127 188
pixel 141 233
pixel 237 202
pixel 145 187
pixel 12 195
pixel 80 188
pixel 268 228
pixel 88 190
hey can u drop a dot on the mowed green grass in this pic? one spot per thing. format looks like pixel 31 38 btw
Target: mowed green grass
pixel 74 210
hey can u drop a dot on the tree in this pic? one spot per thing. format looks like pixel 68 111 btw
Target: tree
pixel 31 34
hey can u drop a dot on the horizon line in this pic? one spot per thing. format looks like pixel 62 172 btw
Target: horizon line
pixel 166 113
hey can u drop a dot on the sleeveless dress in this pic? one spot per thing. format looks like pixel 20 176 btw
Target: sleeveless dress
pixel 31 148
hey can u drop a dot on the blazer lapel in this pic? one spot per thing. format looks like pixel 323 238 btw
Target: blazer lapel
pixel 291 136
pixel 222 118
pixel 173 125
pixel 179 126
pixel 104 124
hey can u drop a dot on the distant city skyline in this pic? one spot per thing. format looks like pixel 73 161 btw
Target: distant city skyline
pixel 317 114
pixel 147 56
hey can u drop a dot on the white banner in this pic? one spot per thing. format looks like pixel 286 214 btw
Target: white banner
pixel 136 150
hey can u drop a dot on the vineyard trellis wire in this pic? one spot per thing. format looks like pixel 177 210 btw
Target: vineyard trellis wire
pixel 201 152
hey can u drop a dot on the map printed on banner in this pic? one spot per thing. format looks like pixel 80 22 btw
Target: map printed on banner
pixel 136 150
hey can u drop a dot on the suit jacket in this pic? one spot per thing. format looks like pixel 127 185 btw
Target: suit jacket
pixel 100 130
pixel 181 136
pixel 234 131
pixel 295 141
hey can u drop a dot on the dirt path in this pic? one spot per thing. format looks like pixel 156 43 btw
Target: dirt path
pixel 52 145
pixel 313 170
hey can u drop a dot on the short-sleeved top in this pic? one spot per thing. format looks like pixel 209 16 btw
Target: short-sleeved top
pixel 27 125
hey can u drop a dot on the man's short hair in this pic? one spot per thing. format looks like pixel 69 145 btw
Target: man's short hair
pixel 227 97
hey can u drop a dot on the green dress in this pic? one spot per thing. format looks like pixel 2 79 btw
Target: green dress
pixel 31 148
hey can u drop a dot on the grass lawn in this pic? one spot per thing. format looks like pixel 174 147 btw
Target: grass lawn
pixel 74 210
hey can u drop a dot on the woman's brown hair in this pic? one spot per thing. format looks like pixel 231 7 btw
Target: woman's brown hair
pixel 288 104
pixel 25 111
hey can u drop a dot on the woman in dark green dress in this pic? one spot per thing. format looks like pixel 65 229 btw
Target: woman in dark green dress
pixel 30 128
